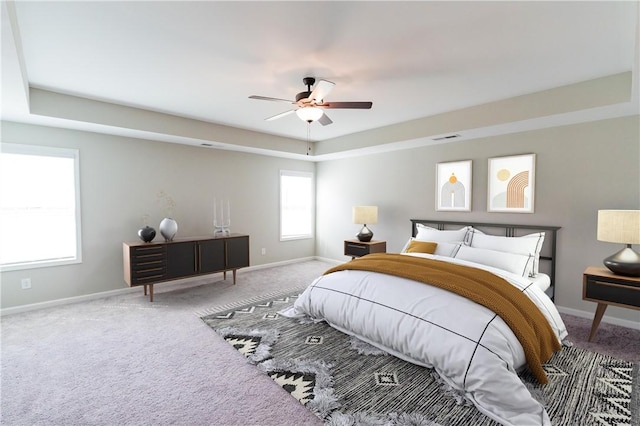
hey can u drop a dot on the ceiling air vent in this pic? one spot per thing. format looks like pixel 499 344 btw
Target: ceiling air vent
pixel 447 137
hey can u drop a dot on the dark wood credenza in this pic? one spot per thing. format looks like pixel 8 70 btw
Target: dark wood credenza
pixel 146 264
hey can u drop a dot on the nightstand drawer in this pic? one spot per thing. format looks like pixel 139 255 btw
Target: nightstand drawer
pixel 605 288
pixel 608 291
pixel 355 249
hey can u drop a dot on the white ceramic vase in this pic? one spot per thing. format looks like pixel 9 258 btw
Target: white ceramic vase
pixel 168 228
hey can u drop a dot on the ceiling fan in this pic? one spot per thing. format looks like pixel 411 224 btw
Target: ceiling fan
pixel 311 103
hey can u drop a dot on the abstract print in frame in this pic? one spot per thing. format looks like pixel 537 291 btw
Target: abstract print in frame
pixel 512 184
pixel 453 186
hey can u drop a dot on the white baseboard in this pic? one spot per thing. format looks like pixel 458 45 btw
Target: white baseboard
pixel 110 293
pixel 326 259
pixel 274 264
pixel 589 315
pixel 66 301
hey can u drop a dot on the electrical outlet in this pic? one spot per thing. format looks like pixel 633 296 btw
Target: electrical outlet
pixel 264 251
pixel 25 283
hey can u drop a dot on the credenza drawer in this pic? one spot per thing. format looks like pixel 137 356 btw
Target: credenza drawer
pixel 152 271
pixel 142 253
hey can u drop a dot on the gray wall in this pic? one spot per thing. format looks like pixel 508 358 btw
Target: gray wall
pixel 580 169
pixel 120 180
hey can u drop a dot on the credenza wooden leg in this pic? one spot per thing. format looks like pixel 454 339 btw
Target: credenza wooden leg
pixel 150 292
pixel 597 318
pixel 234 276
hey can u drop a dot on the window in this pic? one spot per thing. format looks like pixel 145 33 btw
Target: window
pixel 296 205
pixel 39 206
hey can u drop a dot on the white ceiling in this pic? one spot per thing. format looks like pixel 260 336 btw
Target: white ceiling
pixel 202 60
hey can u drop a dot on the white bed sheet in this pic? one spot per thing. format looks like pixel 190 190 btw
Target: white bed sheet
pixel 542 281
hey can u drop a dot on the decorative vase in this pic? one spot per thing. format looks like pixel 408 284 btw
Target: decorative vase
pixel 168 228
pixel 147 234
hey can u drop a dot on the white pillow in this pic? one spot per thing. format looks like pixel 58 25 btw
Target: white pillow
pixel 516 263
pixel 526 245
pixel 443 249
pixel 447 249
pixel 427 233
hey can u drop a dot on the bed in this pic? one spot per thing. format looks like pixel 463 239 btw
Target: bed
pixel 435 305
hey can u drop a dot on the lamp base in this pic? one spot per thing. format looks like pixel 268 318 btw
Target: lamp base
pixel 365 235
pixel 625 262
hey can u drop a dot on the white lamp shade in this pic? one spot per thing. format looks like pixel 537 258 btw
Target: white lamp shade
pixel 309 113
pixel 365 215
pixel 619 226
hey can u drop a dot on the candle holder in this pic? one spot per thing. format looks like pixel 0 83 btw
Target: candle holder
pixel 221 230
pixel 221 227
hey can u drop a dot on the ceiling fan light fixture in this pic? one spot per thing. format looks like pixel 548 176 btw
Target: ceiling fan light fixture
pixel 309 114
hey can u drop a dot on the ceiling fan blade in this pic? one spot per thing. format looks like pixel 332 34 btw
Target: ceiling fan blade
pixel 350 105
pixel 321 90
pixel 282 114
pixel 324 120
pixel 265 98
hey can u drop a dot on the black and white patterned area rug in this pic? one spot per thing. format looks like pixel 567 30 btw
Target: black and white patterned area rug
pixel 347 382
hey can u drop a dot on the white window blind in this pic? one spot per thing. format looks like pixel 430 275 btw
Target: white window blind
pixel 296 205
pixel 39 206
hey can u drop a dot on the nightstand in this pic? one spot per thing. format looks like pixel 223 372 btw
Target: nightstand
pixel 602 286
pixel 357 248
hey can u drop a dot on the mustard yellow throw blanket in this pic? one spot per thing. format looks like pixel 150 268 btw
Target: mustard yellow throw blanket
pixel 516 309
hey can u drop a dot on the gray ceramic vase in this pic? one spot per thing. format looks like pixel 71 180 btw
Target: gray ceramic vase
pixel 168 228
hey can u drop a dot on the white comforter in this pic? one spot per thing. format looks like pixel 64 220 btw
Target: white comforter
pixel 469 346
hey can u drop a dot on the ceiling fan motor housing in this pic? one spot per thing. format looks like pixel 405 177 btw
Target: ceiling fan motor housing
pixel 308 81
pixel 302 95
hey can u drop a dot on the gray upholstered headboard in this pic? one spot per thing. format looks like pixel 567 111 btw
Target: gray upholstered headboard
pixel 548 251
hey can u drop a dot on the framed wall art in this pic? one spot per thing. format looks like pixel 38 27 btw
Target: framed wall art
pixel 453 186
pixel 512 184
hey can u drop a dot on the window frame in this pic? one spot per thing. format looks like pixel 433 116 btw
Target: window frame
pixel 311 234
pixel 47 151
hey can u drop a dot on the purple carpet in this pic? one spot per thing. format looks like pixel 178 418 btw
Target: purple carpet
pixel 618 342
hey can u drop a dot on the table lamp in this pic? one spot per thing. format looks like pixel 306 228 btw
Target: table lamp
pixel 621 226
pixel 364 215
